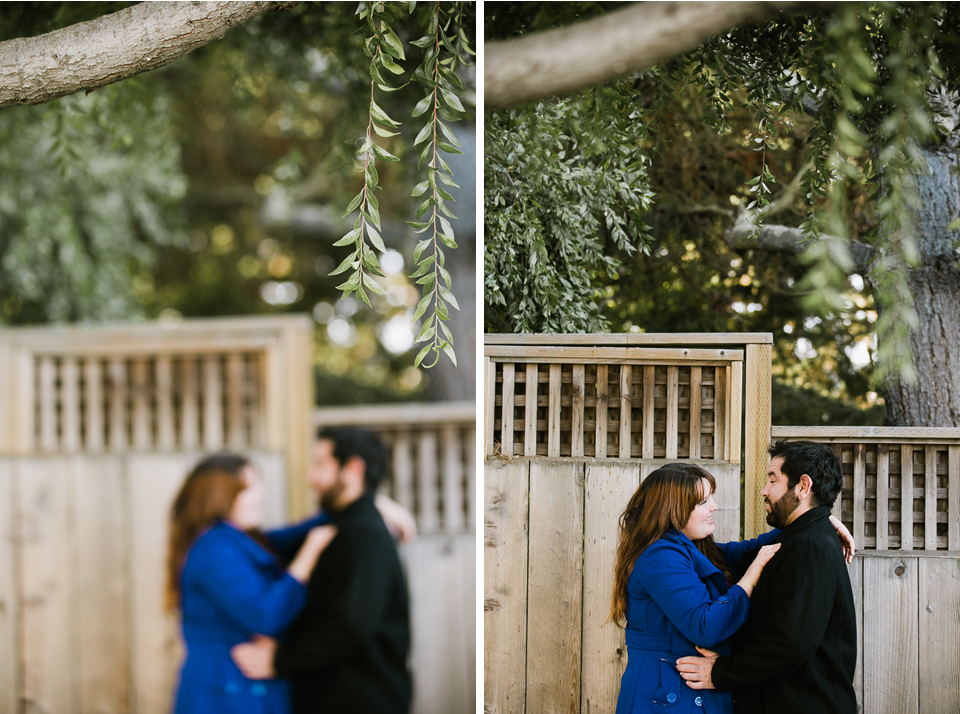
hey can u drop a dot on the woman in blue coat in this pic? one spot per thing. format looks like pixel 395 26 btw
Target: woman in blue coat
pixel 676 588
pixel 229 583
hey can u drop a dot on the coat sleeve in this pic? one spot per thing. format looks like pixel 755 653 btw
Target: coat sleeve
pixel 802 593
pixel 667 572
pixel 358 581
pixel 287 541
pixel 247 596
pixel 740 553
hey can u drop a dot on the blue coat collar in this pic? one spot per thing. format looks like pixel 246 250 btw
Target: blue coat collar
pixel 701 564
pixel 252 548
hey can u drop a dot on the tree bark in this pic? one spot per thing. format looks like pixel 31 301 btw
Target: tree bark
pixel 557 62
pixel 89 55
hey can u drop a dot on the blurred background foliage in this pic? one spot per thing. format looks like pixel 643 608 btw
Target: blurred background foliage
pixel 216 186
pixel 686 145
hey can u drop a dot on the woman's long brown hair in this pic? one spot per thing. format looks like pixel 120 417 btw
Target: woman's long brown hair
pixel 205 498
pixel 664 501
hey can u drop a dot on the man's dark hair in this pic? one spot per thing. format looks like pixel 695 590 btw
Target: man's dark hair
pixel 819 461
pixel 364 444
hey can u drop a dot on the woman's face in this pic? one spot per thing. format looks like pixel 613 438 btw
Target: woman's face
pixel 701 524
pixel 247 510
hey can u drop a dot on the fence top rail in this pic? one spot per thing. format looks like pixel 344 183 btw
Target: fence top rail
pixel 141 338
pixel 555 354
pixel 408 415
pixel 868 433
pixel 632 339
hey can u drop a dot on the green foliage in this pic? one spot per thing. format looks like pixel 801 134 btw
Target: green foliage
pixel 445 47
pixel 89 189
pixel 565 186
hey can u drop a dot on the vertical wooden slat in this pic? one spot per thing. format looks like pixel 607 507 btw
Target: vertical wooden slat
pixel 721 377
pixel 953 497
pixel 48 570
pixel 883 498
pixel 939 635
pixel 859 492
pixel 23 414
pixel 189 404
pixel 156 651
pixel 553 412
pixel 48 406
pixel 696 374
pixel 119 392
pixel 70 404
pixel 102 586
pixel 452 472
pixel 93 405
pixel 490 403
pixel 603 411
pixel 253 382
pixel 906 497
pixel 891 661
pixel 727 497
pixel 7 403
pixel 429 483
pixel 673 410
pixel 506 412
pixel 470 459
pixel 555 586
pixel 142 437
pixel 530 411
pixel 505 568
pixel 758 420
pixel 236 436
pixel 855 569
pixel 166 438
pixel 626 402
pixel 212 402
pixel 10 601
pixel 576 431
pixel 649 412
pixel 403 470
pixel 608 488
pixel 930 497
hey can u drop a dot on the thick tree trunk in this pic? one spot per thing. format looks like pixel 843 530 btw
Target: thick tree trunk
pixel 89 55
pixel 935 399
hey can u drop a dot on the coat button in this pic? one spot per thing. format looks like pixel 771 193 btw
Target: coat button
pixel 698 701
pixel 258 689
pixel 723 598
pixel 671 697
pixel 231 688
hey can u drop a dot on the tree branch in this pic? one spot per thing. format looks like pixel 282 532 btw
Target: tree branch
pixel 639 37
pixel 89 55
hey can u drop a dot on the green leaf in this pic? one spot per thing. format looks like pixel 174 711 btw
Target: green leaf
pixel 423 353
pixel 427 331
pixel 424 134
pixel 420 189
pixel 349 239
pixel 422 246
pixel 422 306
pixel 381 117
pixel 383 153
pixel 448 296
pixel 353 204
pixel 451 99
pixel 374 286
pixel 448 351
pixel 392 42
pixel 423 105
pixel 348 262
pixel 383 132
pixel 351 284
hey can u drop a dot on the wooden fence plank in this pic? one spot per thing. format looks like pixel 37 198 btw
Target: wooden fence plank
pixel 102 585
pixel 727 497
pixel 603 411
pixel 452 477
pixel 553 412
pixel 48 570
pixel 555 586
pixel 756 437
pixel 428 515
pixel 930 497
pixel 673 410
pixel 696 376
pixel 891 662
pixel 212 402
pixel 906 497
pixel 939 635
pixel 530 411
pixel 402 481
pixel 119 393
pixel 93 400
pixel 649 413
pixel 608 487
pixel 855 570
pixel 577 408
pixel 883 498
pixel 10 640
pixel 152 481
pixel 626 403
pixel 490 401
pixel 758 425
pixel 859 492
pixel 236 438
pixel 611 355
pixel 70 404
pixel 142 437
pixel 720 381
pixel 48 406
pixel 953 497
pixel 166 435
pixel 506 412
pixel 505 540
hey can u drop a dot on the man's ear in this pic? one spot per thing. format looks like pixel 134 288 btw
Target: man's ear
pixel 806 487
pixel 357 466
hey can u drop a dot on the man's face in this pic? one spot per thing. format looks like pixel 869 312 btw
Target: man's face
pixel 779 500
pixel 324 477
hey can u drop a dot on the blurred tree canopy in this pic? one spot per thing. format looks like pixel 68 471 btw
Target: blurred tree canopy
pixel 217 185
pixel 796 176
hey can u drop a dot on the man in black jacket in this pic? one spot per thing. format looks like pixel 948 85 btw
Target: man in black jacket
pixel 798 650
pixel 347 651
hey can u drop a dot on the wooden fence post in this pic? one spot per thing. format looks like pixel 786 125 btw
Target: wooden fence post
pixel 756 436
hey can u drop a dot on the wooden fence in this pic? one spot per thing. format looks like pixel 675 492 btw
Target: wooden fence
pixel 551 519
pixel 98 427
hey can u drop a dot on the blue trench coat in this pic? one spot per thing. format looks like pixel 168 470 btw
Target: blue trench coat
pixel 677 598
pixel 232 588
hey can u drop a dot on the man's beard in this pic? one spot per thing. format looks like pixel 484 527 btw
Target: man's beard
pixel 781 509
pixel 330 497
